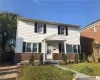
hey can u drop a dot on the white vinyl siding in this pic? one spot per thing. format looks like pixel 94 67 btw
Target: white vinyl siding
pixel 25 31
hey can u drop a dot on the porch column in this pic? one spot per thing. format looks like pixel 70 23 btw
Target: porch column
pixel 44 50
pixel 65 47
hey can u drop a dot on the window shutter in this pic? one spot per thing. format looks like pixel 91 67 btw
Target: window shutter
pixel 66 30
pixel 60 48
pixel 58 30
pixel 44 28
pixel 35 30
pixel 24 44
pixel 39 48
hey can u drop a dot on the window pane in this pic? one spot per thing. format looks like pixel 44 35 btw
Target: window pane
pixel 40 26
pixel 69 48
pixel 75 49
pixel 28 47
pixel 62 30
pixel 34 47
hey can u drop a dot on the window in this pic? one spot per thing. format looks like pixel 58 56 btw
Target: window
pixel 69 48
pixel 95 29
pixel 34 47
pixel 28 47
pixel 40 28
pixel 75 48
pixel 62 30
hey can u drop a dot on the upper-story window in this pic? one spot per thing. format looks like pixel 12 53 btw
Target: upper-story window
pixel 40 28
pixel 95 29
pixel 62 30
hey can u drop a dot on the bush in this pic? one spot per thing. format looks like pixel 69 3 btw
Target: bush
pixel 85 58
pixel 31 60
pixel 85 69
pixel 41 59
pixel 64 58
pixel 76 58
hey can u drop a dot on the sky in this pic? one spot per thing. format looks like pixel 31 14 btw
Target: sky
pixel 77 12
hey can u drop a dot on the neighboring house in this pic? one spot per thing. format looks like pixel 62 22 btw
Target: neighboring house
pixel 89 34
pixel 50 38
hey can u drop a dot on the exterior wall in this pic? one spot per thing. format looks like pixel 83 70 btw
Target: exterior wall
pixel 25 31
pixel 88 36
pixel 26 56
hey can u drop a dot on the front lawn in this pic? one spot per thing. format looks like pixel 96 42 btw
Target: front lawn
pixel 92 69
pixel 47 72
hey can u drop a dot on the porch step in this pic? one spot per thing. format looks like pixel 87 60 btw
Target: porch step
pixel 51 62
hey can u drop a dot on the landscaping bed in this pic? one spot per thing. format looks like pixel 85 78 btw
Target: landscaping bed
pixel 44 72
pixel 92 69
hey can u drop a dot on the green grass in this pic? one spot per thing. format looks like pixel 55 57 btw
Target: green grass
pixel 47 72
pixel 92 69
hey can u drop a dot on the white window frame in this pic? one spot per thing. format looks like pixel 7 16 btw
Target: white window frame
pixel 37 47
pixel 26 47
pixel 38 27
pixel 95 29
pixel 31 47
pixel 64 30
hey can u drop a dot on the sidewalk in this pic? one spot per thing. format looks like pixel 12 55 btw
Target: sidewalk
pixel 76 74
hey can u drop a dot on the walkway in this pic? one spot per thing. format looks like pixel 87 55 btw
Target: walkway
pixel 8 73
pixel 77 74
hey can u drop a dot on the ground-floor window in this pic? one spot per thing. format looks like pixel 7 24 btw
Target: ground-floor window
pixel 30 47
pixel 69 48
pixel 72 48
pixel 35 47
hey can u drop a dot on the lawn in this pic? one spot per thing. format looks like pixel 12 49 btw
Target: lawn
pixel 92 69
pixel 47 72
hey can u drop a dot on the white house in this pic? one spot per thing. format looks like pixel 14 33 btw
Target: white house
pixel 50 38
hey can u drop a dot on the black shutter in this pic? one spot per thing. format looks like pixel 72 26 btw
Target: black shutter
pixel 66 30
pixel 39 49
pixel 24 44
pixel 44 28
pixel 35 30
pixel 58 30
pixel 60 48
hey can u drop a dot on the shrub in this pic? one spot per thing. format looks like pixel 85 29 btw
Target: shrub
pixel 76 58
pixel 64 58
pixel 41 59
pixel 31 60
pixel 85 58
pixel 85 69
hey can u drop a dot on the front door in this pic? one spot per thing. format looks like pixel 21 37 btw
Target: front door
pixel 49 51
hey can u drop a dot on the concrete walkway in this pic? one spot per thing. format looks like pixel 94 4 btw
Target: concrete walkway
pixel 8 73
pixel 76 74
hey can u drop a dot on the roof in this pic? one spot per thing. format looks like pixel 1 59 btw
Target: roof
pixel 90 25
pixel 48 22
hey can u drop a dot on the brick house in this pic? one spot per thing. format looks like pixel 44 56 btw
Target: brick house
pixel 89 34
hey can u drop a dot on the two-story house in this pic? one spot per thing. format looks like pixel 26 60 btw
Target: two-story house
pixel 89 34
pixel 50 38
